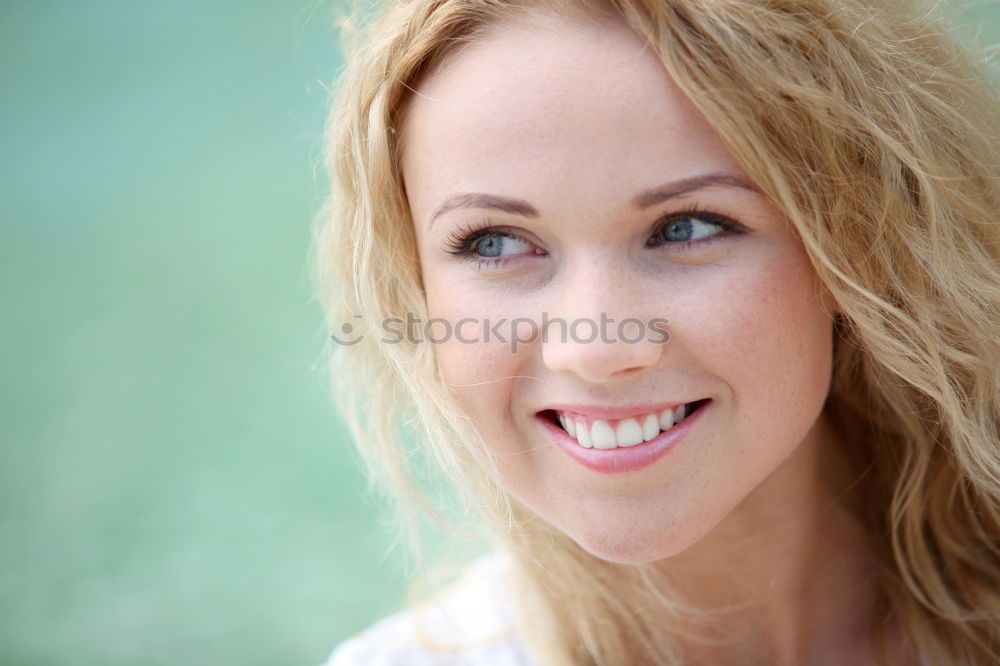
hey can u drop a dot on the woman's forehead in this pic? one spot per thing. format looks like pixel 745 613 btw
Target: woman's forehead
pixel 557 100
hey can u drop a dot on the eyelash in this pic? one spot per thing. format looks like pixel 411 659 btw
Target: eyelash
pixel 463 239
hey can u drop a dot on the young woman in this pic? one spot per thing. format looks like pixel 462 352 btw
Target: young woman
pixel 702 323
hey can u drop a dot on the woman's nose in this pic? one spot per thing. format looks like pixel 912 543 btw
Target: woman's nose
pixel 601 346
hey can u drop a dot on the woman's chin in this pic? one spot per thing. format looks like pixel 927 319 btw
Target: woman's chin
pixel 628 547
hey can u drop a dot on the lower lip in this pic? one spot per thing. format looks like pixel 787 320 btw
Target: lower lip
pixel 623 459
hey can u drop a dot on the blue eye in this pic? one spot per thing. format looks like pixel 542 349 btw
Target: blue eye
pixel 488 245
pixel 495 244
pixel 689 227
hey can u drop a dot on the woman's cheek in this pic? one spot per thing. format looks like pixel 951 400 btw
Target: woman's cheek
pixel 473 348
pixel 780 358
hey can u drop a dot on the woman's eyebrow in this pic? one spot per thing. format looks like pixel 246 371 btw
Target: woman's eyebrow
pixel 686 186
pixel 489 201
pixel 641 201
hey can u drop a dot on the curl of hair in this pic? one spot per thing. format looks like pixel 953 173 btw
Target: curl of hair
pixel 878 137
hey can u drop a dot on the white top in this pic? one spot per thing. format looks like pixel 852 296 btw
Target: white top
pixel 470 624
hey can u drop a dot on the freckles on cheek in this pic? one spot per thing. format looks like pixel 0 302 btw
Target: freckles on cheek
pixel 477 349
pixel 765 325
pixel 784 376
pixel 477 374
pixel 473 362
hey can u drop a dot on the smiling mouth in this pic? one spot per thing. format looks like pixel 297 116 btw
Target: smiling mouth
pixel 621 433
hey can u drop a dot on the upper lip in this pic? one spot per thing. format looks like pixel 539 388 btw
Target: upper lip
pixel 623 412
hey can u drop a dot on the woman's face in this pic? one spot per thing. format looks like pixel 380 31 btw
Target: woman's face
pixel 606 196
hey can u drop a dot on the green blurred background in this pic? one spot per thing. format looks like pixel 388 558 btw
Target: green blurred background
pixel 175 487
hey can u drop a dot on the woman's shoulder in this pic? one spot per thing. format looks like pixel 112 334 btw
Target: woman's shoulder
pixel 470 623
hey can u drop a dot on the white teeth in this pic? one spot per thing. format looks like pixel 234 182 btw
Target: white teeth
pixel 602 435
pixel 650 427
pixel 628 432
